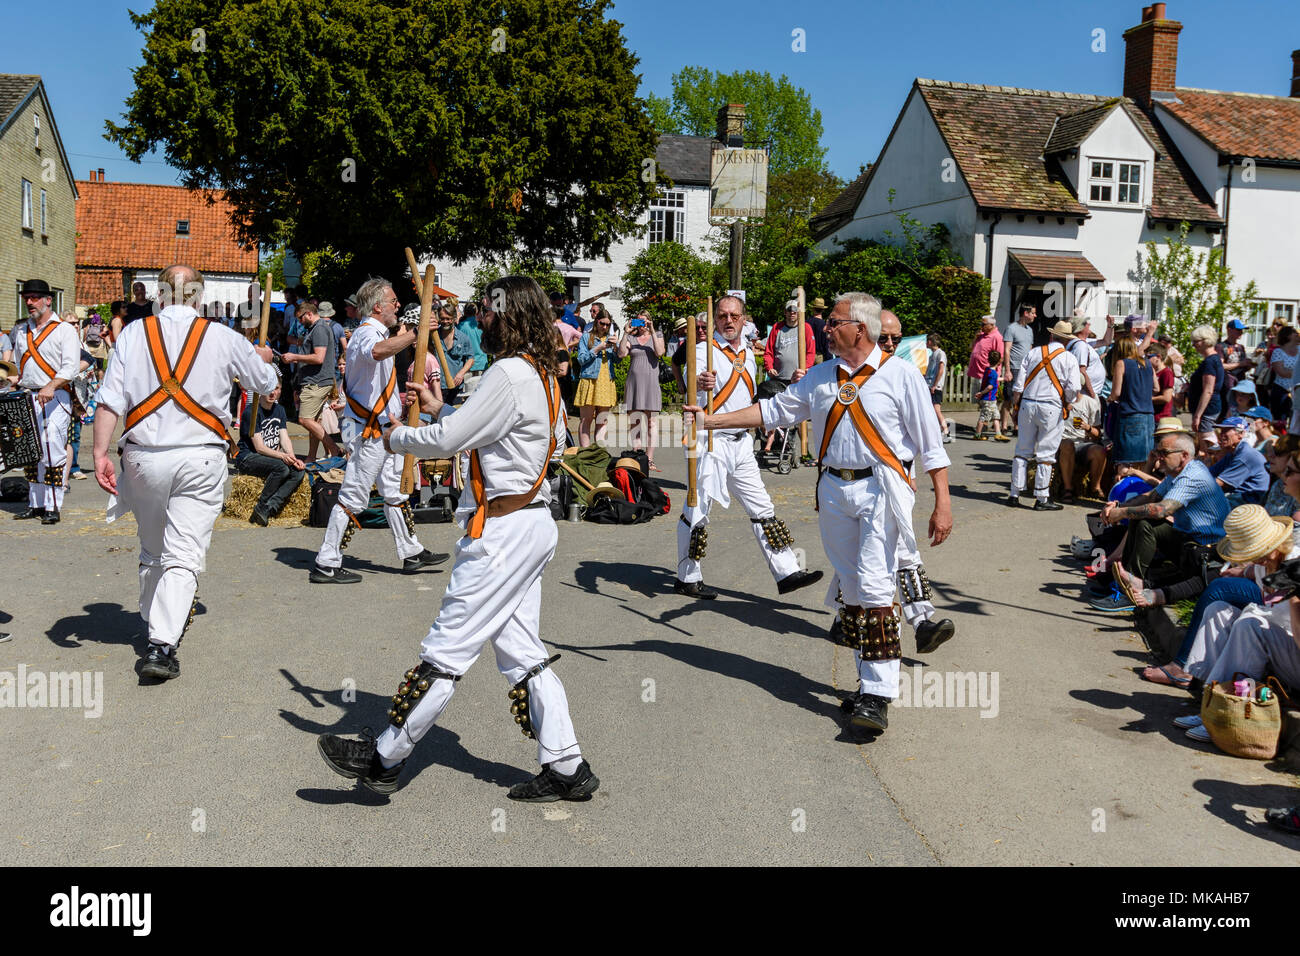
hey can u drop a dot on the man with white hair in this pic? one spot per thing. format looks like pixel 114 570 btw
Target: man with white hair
pixel 730 467
pixel 373 403
pixel 169 376
pixel 1090 364
pixel 871 421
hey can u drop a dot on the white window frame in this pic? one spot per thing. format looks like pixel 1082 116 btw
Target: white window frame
pixel 45 214
pixel 36 130
pixel 1116 182
pixel 27 205
pixel 1122 302
pixel 668 210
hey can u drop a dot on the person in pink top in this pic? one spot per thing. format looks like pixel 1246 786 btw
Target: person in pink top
pixel 988 340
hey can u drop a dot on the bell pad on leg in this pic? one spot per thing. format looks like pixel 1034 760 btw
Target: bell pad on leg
pixel 848 633
pixel 518 696
pixel 351 529
pixel 413 686
pixel 775 531
pixel 408 516
pixel 699 542
pixel 878 634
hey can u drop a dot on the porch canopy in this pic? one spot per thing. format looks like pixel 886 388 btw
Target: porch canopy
pixel 1034 268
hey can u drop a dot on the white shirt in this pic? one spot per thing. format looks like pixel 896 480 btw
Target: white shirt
pixel 62 351
pixel 1041 388
pixel 740 396
pixel 1087 411
pixel 223 356
pixel 895 398
pixel 506 420
pixel 1090 361
pixel 366 378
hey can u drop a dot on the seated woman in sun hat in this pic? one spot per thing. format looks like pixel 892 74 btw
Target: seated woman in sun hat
pixel 1255 545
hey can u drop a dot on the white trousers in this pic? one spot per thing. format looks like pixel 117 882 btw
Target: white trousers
pixel 730 469
pixel 862 528
pixel 53 422
pixel 176 494
pixel 1040 426
pixel 1260 636
pixel 915 613
pixel 368 464
pixel 494 594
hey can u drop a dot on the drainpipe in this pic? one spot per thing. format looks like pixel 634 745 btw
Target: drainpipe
pixel 1227 209
pixel 988 250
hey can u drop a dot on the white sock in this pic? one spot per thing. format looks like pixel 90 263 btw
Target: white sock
pixel 567 766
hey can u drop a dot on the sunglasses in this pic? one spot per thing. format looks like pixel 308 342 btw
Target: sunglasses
pixel 895 339
pixel 1165 452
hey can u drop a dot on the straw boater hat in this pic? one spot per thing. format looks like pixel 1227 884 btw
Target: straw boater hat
pixel 606 490
pixel 1063 330
pixel 1252 534
pixel 1171 425
pixel 8 369
pixel 631 464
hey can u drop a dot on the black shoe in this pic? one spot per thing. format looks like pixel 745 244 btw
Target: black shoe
pixel 870 714
pixel 1047 504
pixel 259 517
pixel 800 579
pixel 50 517
pixel 29 514
pixel 695 589
pixel 1286 819
pixel 930 634
pixel 321 575
pixel 549 786
pixel 160 665
pixel 359 760
pixel 424 559
pixel 1013 501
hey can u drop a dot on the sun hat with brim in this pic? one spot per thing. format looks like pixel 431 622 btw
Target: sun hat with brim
pixel 606 490
pixel 1233 422
pixel 1171 425
pixel 325 310
pixel 1259 411
pixel 1251 533
pixel 1063 329
pixel 1247 386
pixel 631 464
pixel 8 369
pixel 679 324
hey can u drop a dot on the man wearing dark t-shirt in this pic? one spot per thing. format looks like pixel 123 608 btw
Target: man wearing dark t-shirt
pixel 319 361
pixel 269 454
pixel 139 307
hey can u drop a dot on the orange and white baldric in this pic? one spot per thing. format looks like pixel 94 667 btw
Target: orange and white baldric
pixel 171 380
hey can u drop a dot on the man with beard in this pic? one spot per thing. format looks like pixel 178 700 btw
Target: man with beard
pixel 370 387
pixel 730 468
pixel 47 352
pixel 511 426
pixel 871 419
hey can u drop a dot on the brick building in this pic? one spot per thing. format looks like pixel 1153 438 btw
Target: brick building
pixel 37 198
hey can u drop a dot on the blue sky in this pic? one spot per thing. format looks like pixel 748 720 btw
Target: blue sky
pixel 861 56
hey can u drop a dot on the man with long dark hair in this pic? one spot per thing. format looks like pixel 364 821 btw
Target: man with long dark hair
pixel 511 426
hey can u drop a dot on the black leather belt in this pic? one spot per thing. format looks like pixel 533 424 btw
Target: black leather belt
pixel 851 474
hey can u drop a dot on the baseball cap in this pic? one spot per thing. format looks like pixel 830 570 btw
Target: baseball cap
pixel 1135 319
pixel 1233 422
pixel 1259 411
pixel 1237 324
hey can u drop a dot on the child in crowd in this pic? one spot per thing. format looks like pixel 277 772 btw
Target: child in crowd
pixel 988 399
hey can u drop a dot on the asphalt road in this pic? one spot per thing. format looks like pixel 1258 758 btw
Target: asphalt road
pixel 714 727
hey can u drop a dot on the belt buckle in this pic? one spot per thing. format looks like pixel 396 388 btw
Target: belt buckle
pixel 844 474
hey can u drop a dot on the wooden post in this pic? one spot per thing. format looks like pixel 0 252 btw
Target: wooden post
pixel 708 333
pixel 692 499
pixel 421 355
pixel 256 401
pixel 803 359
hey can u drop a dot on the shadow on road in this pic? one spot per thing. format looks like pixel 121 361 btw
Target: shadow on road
pixel 102 623
pixel 439 747
pixel 1226 801
pixel 304 559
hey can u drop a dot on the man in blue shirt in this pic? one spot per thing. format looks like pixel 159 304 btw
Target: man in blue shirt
pixel 1189 495
pixel 1242 472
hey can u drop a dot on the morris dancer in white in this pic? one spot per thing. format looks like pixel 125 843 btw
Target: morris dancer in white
pixel 370 387
pixel 730 468
pixel 511 425
pixel 170 376
pixel 871 419
pixel 1046 385
pixel 47 352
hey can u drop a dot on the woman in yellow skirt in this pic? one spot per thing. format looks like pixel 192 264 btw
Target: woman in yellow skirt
pixel 596 393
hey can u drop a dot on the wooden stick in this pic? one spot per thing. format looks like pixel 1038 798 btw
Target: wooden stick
pixel 261 340
pixel 419 290
pixel 583 481
pixel 803 360
pixel 708 337
pixel 692 498
pixel 421 356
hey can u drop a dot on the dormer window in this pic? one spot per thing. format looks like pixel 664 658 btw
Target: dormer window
pixel 1115 183
pixel 182 227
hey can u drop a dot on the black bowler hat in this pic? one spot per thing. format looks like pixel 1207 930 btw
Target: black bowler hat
pixel 35 287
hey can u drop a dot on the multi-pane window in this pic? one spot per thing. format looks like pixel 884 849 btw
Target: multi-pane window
pixel 27 204
pixel 1113 182
pixel 668 216
pixel 1140 302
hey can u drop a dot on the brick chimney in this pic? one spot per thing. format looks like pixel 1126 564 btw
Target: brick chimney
pixel 1295 72
pixel 1151 55
pixel 101 174
pixel 731 124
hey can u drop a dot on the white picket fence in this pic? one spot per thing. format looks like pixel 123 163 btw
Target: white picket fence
pixel 957 388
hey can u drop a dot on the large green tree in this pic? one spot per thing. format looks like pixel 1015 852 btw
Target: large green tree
pixel 775 110
pixel 460 128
